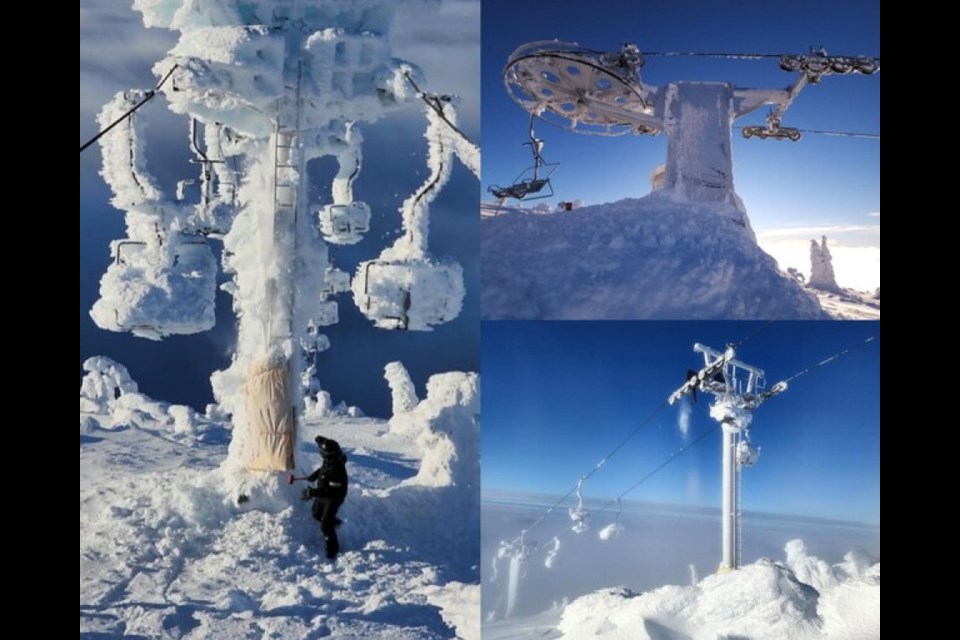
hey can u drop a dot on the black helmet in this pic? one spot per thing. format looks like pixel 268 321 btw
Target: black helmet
pixel 327 446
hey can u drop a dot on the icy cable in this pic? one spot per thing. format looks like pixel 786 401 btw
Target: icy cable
pixel 433 103
pixel 727 56
pixel 597 467
pixel 619 498
pixel 147 98
pixel 753 334
pixel 830 359
pixel 838 134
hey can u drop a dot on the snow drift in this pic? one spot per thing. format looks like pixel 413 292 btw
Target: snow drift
pixel 799 599
pixel 655 257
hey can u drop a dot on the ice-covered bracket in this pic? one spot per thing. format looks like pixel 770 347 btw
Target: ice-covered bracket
pixel 161 281
pixel 406 288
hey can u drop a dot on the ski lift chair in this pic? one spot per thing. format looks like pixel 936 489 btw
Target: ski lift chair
pixel 532 187
pixel 344 223
pixel 527 188
pixel 154 296
pixel 411 294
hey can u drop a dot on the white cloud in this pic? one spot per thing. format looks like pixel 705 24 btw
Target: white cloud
pixel 830 230
pixel 874 214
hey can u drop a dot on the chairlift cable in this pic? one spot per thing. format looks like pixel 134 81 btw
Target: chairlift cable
pixel 149 96
pixel 830 359
pixel 836 134
pixel 728 56
pixel 432 103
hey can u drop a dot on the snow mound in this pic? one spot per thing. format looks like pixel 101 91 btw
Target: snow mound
pixel 105 381
pixel 653 257
pixel 763 600
pixel 110 400
pixel 447 428
pixel 459 607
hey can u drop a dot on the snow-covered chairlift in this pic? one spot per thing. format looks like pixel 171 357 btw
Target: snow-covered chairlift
pixel 406 288
pixel 344 223
pixel 413 294
pixel 153 292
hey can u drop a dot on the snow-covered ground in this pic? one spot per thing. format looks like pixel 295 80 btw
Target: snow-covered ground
pixel 166 551
pixel 655 257
pixel 850 305
pixel 614 587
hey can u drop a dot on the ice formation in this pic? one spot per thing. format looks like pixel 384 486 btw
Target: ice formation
pixel 269 86
pixel 821 267
pixel 402 391
pixel 103 385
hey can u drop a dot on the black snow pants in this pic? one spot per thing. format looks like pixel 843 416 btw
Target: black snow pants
pixel 325 511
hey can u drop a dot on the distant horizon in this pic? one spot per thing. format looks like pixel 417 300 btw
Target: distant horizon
pixel 487 497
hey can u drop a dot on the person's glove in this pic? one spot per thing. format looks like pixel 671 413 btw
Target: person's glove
pixel 306 494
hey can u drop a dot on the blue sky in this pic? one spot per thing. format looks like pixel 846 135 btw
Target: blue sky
pixel 116 53
pixel 793 191
pixel 558 396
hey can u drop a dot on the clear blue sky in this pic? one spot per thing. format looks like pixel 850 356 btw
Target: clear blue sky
pixel 116 53
pixel 793 191
pixel 558 396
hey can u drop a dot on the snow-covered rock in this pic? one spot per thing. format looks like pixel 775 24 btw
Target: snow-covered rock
pixel 821 267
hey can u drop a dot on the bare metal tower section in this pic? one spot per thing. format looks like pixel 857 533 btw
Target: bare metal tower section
pixel 738 389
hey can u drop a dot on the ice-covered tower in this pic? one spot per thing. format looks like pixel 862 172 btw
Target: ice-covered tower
pixel 601 93
pixel 269 85
pixel 737 389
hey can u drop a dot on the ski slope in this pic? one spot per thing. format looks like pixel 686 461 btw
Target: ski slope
pixel 166 551
pixel 656 257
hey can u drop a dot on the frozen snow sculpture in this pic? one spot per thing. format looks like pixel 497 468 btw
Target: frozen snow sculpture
pixel 403 393
pixel 821 267
pixel 269 86
pixel 406 288
pixel 105 381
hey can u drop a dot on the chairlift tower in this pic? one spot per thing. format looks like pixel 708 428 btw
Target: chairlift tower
pixel 738 389
pixel 601 93
pixel 268 85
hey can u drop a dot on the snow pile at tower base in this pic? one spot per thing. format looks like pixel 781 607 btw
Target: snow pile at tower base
pixel 800 599
pixel 167 551
pixel 653 257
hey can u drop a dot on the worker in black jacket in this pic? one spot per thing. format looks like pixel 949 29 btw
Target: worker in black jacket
pixel 330 492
